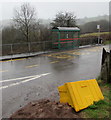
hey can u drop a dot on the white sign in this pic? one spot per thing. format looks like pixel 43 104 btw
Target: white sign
pixel 98 26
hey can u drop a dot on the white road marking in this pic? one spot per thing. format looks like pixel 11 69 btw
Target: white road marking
pixel 17 78
pixel 17 83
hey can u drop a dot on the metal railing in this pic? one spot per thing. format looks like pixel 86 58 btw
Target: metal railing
pixel 29 47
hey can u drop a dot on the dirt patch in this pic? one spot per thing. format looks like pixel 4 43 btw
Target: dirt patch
pixel 46 109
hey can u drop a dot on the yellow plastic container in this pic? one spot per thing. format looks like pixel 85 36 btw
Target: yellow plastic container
pixel 80 94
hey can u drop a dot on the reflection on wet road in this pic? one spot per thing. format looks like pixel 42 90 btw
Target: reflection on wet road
pixel 25 80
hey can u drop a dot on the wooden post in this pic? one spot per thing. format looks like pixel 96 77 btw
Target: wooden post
pixel 105 66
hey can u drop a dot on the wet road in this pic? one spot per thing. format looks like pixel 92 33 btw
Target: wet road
pixel 25 80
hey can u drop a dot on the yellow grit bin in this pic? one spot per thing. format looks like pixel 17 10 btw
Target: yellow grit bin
pixel 80 94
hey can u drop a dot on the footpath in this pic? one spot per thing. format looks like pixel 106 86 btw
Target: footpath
pixel 26 55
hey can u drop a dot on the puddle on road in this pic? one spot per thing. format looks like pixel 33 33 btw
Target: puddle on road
pixel 75 53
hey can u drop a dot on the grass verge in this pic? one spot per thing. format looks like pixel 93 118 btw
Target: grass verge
pixel 102 108
pixel 107 42
pixel 94 34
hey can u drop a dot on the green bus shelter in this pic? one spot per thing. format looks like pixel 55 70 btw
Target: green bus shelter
pixel 65 37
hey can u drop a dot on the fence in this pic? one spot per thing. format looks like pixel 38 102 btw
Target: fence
pixel 89 41
pixel 17 48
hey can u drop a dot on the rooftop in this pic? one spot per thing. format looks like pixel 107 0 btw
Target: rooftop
pixel 66 28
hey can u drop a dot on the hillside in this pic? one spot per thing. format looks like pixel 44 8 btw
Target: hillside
pixel 46 22
pixel 82 21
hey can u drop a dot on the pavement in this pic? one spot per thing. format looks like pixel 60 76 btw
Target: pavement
pixel 26 55
pixel 34 78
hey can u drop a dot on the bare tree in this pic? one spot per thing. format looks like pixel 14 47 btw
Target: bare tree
pixel 64 19
pixel 25 20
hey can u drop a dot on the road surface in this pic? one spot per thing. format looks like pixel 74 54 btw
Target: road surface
pixel 25 80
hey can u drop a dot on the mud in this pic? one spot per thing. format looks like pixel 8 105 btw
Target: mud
pixel 46 109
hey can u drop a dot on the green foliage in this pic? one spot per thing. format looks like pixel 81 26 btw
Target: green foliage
pixel 64 19
pixel 94 34
pixel 92 38
pixel 100 109
pixel 93 106
pixel 107 42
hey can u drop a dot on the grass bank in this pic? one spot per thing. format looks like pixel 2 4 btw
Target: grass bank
pixel 95 34
pixel 107 42
pixel 101 109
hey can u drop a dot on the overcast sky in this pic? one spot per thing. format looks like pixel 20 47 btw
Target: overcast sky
pixel 48 10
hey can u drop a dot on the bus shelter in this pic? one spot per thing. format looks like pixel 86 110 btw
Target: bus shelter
pixel 65 37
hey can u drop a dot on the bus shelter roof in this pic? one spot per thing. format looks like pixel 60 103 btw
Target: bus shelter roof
pixel 65 29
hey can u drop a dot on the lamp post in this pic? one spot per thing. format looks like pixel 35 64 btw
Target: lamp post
pixel 98 28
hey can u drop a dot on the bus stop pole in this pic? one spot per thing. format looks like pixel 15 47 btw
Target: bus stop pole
pixel 98 27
